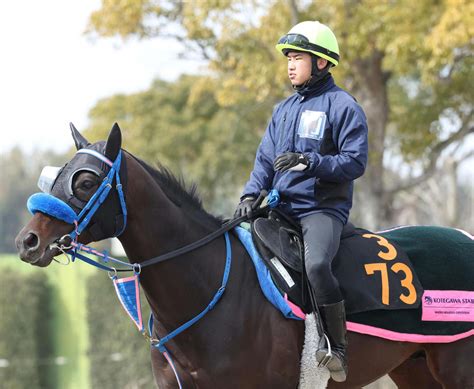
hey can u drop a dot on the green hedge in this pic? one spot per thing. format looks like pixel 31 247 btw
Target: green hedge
pixel 25 331
pixel 119 355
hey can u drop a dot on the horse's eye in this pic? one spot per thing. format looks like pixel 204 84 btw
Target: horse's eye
pixel 87 184
pixel 84 184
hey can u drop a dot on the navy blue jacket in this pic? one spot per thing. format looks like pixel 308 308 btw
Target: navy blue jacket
pixel 330 128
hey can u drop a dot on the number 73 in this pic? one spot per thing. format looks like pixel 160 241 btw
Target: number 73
pixel 407 282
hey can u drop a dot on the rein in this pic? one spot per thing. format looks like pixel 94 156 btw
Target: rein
pixel 67 245
pixel 71 248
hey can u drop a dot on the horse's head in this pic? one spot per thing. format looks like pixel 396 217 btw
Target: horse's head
pixel 82 199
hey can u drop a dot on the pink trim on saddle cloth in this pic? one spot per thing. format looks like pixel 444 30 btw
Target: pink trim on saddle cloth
pixel 387 334
pixel 401 337
pixel 294 308
pixel 448 305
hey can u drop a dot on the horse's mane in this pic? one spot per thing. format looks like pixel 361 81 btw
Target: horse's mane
pixel 181 194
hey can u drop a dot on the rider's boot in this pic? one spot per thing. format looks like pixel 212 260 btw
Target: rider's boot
pixel 334 318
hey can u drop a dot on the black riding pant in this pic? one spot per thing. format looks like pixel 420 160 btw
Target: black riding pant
pixel 322 235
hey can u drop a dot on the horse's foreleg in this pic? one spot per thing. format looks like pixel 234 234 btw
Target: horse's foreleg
pixel 451 363
pixel 414 374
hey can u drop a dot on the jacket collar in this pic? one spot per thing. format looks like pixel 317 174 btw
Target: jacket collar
pixel 317 88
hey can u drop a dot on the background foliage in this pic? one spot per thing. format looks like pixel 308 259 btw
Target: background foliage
pixel 18 174
pixel 119 355
pixel 408 63
pixel 25 331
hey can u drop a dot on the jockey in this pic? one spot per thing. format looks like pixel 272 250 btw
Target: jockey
pixel 313 149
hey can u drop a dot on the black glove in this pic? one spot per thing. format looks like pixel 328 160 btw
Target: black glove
pixel 291 161
pixel 245 207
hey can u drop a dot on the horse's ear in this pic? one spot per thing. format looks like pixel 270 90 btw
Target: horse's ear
pixel 114 142
pixel 79 140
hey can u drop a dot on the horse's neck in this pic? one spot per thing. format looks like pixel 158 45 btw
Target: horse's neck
pixel 176 287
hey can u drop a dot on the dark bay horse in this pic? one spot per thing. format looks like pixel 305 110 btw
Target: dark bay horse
pixel 243 342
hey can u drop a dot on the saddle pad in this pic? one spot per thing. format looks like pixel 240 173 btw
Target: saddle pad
pixel 443 259
pixel 265 280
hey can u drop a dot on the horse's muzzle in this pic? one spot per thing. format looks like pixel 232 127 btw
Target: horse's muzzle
pixel 28 246
pixel 31 250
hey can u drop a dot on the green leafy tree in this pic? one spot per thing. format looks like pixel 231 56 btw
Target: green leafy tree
pixel 182 126
pixel 408 63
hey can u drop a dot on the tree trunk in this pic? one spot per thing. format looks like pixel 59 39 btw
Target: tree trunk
pixel 371 91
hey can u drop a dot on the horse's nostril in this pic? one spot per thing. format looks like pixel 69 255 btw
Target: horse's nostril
pixel 31 241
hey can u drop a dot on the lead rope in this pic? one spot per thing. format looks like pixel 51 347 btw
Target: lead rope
pixel 160 343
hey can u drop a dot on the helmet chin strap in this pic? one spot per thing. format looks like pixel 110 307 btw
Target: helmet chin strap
pixel 316 75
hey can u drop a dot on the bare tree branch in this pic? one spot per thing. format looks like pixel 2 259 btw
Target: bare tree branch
pixel 203 50
pixel 294 12
pixel 433 158
pixel 468 155
pixel 458 58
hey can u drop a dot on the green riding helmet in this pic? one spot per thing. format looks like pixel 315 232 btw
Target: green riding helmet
pixel 312 37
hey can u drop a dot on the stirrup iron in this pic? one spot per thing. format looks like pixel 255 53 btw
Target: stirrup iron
pixel 328 357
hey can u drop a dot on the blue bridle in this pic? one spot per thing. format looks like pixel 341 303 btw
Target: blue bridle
pixel 57 208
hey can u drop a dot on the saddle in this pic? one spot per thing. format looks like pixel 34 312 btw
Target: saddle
pixel 279 240
pixel 371 270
